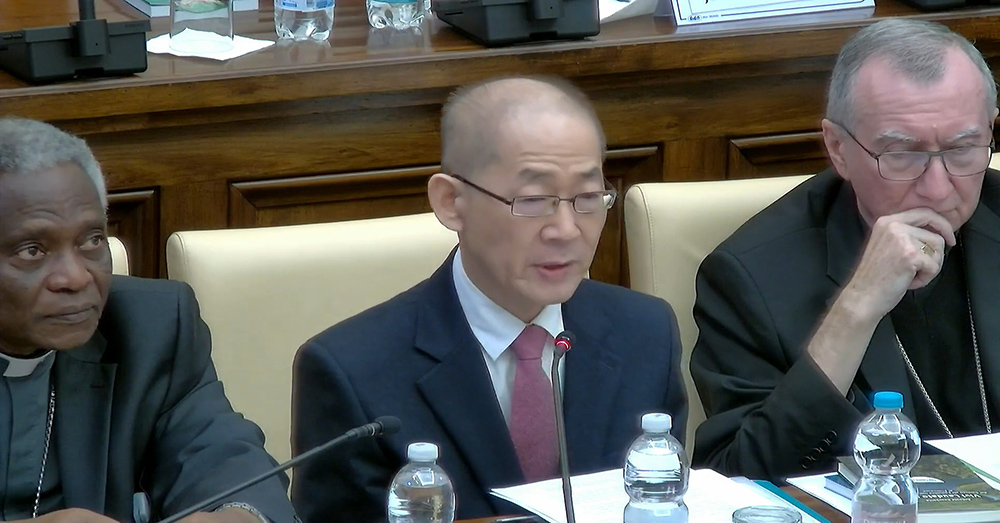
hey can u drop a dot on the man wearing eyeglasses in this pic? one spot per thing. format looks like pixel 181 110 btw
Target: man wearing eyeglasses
pixel 464 358
pixel 880 274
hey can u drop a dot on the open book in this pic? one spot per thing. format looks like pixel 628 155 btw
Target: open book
pixel 601 498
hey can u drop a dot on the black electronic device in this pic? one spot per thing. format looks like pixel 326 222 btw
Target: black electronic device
pixel 505 22
pixel 88 47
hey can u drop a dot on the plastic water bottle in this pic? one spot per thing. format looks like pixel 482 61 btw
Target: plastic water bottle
pixel 397 14
pixel 656 474
pixel 303 19
pixel 886 447
pixel 421 492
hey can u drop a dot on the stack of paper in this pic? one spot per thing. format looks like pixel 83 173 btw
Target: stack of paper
pixel 601 498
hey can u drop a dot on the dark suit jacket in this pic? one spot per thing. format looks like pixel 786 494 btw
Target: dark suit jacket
pixel 416 357
pixel 139 407
pixel 771 412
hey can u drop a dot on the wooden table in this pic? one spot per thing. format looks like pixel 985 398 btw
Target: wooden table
pixel 828 512
pixel 303 133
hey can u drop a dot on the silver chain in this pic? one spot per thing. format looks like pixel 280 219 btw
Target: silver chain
pixel 45 454
pixel 979 374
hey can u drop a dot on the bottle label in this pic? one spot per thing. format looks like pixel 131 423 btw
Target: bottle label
pixel 886 514
pixel 306 5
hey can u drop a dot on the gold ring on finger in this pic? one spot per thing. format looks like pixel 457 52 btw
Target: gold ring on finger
pixel 926 249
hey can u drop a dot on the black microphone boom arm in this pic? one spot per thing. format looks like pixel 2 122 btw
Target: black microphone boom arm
pixel 381 426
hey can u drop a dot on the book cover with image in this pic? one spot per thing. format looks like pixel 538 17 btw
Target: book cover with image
pixel 946 486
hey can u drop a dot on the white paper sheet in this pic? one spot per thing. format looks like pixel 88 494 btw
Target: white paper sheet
pixel 816 487
pixel 981 453
pixel 241 46
pixel 611 10
pixel 688 12
pixel 601 498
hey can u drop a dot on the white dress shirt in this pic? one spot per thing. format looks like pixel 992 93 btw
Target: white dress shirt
pixel 496 329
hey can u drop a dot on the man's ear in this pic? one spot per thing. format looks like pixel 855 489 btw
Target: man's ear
pixel 443 193
pixel 833 138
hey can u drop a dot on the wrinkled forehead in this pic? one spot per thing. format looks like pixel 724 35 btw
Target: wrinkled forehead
pixel 63 191
pixel 958 92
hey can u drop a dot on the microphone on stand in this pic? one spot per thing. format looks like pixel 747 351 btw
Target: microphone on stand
pixel 564 342
pixel 382 426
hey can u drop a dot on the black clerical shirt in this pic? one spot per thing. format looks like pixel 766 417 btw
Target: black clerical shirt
pixel 933 325
pixel 24 405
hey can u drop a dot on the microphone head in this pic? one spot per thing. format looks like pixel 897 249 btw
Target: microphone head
pixel 564 341
pixel 388 425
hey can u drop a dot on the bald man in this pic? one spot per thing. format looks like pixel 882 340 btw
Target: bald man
pixel 463 358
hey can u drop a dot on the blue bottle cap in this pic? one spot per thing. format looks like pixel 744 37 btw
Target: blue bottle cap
pixel 888 400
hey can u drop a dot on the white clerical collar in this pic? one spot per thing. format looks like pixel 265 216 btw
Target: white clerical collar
pixel 495 327
pixel 21 367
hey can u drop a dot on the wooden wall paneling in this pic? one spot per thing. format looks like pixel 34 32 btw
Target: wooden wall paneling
pixel 695 160
pixel 777 155
pixel 188 207
pixel 623 168
pixel 134 217
pixel 330 197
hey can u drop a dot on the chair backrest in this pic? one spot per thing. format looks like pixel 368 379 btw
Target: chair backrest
pixel 265 291
pixel 670 228
pixel 119 256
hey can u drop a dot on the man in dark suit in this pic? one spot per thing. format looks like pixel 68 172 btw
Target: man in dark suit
pixel 107 385
pixel 879 275
pixel 523 187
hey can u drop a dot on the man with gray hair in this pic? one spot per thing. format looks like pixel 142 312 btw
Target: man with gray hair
pixel 880 274
pixel 108 395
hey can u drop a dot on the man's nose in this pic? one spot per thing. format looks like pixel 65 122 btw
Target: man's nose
pixel 563 223
pixel 69 273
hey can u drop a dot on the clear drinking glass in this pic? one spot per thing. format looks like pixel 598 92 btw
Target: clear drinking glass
pixel 767 514
pixel 201 26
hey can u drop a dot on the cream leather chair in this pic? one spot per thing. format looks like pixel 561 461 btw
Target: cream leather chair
pixel 670 228
pixel 119 256
pixel 265 291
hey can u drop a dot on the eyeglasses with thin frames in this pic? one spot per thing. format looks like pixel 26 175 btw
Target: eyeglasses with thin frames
pixel 536 206
pixel 901 166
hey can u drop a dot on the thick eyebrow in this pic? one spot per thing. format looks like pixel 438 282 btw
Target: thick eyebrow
pixel 37 228
pixel 595 174
pixel 532 176
pixel 890 135
pixel 971 132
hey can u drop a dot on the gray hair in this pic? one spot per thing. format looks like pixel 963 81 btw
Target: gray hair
pixel 472 117
pixel 29 146
pixel 915 48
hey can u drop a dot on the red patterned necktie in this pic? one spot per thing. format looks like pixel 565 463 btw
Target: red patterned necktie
pixel 532 413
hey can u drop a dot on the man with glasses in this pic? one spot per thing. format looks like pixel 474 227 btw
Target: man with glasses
pixel 464 358
pixel 880 274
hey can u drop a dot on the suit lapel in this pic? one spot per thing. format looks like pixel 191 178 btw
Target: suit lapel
pixel 882 368
pixel 592 373
pixel 981 241
pixel 459 390
pixel 82 423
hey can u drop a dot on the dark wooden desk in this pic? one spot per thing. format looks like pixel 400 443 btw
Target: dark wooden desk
pixel 301 133
pixel 828 512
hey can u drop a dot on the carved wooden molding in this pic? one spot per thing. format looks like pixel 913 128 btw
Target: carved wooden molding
pixel 776 155
pixel 133 217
